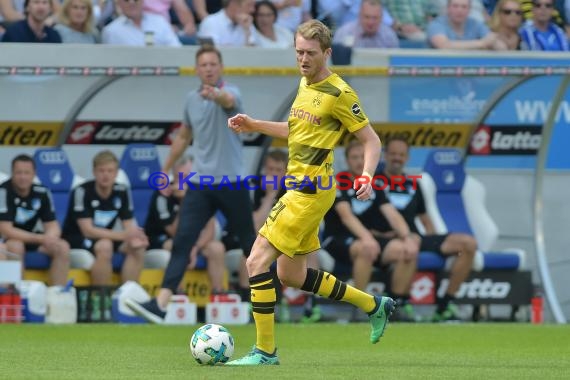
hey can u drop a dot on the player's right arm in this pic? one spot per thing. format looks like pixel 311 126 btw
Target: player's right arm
pixel 242 123
pixel 90 231
pixel 9 231
pixel 178 147
pixel 7 228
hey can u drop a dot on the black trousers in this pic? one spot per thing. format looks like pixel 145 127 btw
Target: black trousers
pixel 198 206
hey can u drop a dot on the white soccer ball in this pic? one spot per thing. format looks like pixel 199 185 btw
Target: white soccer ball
pixel 212 344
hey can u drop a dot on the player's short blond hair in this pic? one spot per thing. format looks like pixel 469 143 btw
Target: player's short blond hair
pixel 104 157
pixel 316 30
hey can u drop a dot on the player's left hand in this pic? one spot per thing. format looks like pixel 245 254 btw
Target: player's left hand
pixel 363 187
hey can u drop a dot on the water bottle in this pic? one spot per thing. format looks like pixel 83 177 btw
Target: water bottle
pixel 537 308
pixel 96 306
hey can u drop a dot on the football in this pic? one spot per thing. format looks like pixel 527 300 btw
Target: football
pixel 212 344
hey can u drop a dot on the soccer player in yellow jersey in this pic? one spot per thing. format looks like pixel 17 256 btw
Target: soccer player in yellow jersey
pixel 324 110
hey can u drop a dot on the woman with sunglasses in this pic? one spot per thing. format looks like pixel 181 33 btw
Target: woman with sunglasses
pixel 505 22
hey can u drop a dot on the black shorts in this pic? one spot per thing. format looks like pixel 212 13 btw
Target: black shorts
pixel 230 241
pixel 433 243
pixel 157 241
pixel 81 242
pixel 339 248
pixel 31 247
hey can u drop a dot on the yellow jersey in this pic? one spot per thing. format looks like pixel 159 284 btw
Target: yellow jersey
pixel 320 116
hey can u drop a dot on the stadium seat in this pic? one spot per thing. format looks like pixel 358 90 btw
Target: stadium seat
pixel 54 172
pixel 138 162
pixel 455 202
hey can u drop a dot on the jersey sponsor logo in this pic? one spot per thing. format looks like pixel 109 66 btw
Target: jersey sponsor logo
pixel 400 200
pixel 506 140
pixel 24 215
pixel 360 207
pixel 103 219
pixel 52 157
pixel 301 114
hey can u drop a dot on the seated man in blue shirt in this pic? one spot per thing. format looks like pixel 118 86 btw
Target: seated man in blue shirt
pixel 455 30
pixel 541 33
pixel 33 28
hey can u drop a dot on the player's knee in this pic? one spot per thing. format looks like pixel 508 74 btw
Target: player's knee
pixel 214 250
pixel 290 279
pixel 61 251
pixel 15 246
pixel 103 249
pixel 362 251
pixel 469 245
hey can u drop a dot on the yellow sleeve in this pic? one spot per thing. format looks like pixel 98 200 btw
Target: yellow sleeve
pixel 349 112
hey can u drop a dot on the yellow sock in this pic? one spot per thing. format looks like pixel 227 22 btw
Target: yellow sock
pixel 263 299
pixel 327 285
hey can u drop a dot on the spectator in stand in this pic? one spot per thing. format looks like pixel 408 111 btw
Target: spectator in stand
pixel 162 222
pixel 541 33
pixel 558 12
pixel 75 22
pixel 455 30
pixel 410 18
pixel 184 25
pixel 138 28
pixel 95 207
pixel 203 8
pixel 232 25
pixel 340 12
pixel 368 31
pixel 505 22
pixel 13 10
pixel 270 34
pixel 33 28
pixel 477 10
pixel 291 13
pixel 27 219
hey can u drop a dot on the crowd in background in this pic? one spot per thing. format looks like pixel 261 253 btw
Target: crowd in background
pixel 441 24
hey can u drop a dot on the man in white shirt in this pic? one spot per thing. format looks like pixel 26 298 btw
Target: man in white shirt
pixel 138 28
pixel 232 25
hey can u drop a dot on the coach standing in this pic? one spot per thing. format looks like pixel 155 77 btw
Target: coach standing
pixel 218 154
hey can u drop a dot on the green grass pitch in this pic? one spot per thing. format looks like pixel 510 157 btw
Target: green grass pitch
pixel 321 351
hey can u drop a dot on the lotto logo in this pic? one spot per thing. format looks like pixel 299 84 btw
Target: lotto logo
pixel 423 289
pixel 82 133
pixel 480 143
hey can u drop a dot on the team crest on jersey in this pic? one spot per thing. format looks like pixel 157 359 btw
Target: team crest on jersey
pixel 355 109
pixel 318 100
pixel 36 203
pixel 117 202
